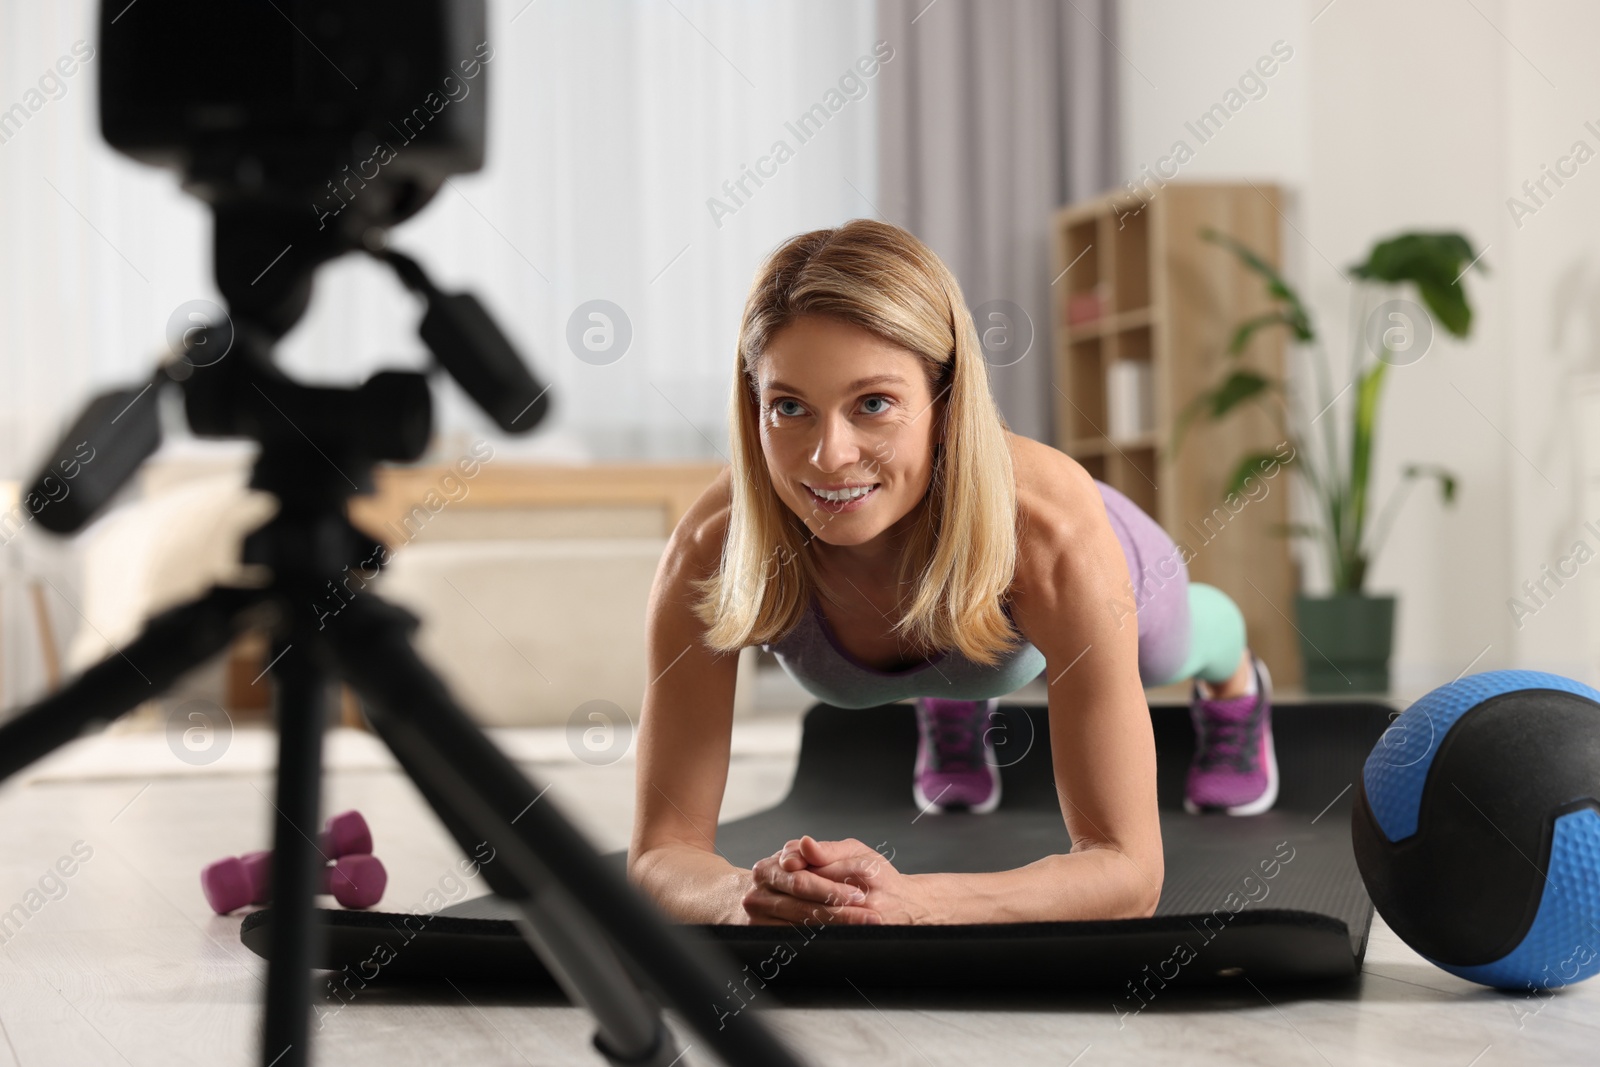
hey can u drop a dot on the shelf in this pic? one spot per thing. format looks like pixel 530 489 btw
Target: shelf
pixel 1152 439
pixel 1094 446
pixel 1124 320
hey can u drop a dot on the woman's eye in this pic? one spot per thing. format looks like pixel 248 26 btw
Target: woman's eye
pixel 780 406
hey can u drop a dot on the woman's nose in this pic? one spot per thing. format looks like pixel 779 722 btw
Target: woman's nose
pixel 836 446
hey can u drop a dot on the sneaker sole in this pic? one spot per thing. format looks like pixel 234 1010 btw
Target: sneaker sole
pixel 1270 796
pixel 925 804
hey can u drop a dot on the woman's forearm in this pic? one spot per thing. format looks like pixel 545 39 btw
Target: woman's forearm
pixel 1097 883
pixel 692 885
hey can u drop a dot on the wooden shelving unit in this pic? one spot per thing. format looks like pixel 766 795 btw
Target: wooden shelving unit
pixel 1159 293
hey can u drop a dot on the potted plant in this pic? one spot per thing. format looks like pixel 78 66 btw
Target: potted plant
pixel 1345 637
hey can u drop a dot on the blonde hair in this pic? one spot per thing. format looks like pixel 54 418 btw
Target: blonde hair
pixel 962 547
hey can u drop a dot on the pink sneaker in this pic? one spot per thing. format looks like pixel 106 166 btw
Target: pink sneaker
pixel 956 765
pixel 1234 768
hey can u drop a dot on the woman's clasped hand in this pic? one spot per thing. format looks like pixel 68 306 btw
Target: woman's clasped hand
pixel 832 881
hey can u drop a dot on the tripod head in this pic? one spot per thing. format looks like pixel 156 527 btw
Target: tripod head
pixel 310 128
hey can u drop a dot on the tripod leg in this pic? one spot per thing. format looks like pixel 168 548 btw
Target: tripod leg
pixel 171 644
pixel 301 700
pixel 556 929
pixel 561 884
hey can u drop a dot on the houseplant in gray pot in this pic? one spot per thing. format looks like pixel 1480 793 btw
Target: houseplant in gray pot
pixel 1346 637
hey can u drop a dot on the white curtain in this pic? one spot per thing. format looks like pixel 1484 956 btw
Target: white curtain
pixel 611 125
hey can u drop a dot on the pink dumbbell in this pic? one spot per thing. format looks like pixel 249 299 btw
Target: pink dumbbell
pixel 355 881
pixel 346 835
pixel 239 880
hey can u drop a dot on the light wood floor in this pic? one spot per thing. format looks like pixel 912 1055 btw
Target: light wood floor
pixel 130 966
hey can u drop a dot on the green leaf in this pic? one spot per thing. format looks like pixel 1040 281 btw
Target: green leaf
pixel 1295 316
pixel 1447 480
pixel 1409 256
pixel 1448 304
pixel 1234 390
pixel 1434 262
pixel 1251 466
pixel 1248 328
pixel 1295 529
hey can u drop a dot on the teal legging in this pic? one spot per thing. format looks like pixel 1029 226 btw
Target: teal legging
pixel 1216 636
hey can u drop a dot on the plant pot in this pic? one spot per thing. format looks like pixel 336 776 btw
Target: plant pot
pixel 1345 641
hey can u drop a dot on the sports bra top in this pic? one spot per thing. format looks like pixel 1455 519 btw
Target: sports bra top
pixel 812 656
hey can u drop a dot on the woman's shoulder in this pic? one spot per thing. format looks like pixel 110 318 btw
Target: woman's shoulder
pixel 1058 506
pixel 1055 493
pixel 696 541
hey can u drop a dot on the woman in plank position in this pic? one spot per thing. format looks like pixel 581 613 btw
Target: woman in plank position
pixel 882 532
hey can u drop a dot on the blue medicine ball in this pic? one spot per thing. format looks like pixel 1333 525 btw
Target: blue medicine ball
pixel 1477 832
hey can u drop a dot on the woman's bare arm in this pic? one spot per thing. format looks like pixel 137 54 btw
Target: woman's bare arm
pixel 1072 603
pixel 1076 609
pixel 685 733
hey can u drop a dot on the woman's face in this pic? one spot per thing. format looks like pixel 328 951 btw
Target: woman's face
pixel 842 409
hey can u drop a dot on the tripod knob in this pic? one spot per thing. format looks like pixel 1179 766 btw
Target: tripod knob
pixel 470 345
pixel 117 431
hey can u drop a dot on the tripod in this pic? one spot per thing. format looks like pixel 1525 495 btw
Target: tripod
pixel 598 937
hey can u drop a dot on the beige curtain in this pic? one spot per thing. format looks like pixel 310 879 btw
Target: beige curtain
pixel 991 116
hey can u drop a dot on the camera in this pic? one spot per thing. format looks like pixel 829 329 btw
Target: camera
pixel 317 105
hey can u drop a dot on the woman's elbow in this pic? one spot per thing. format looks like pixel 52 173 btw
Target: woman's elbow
pixel 1130 880
pixel 1147 902
pixel 1142 875
pixel 1148 892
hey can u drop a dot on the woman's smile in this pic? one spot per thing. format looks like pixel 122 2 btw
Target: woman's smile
pixel 843 501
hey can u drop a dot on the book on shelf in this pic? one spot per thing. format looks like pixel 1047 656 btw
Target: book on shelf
pixel 1086 306
pixel 1130 399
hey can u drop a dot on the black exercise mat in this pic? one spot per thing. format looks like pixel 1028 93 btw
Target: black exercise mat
pixel 1307 921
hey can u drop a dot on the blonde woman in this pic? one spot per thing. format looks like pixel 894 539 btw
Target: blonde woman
pixel 887 538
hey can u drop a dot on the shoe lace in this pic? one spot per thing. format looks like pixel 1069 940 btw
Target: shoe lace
pixel 955 732
pixel 1226 742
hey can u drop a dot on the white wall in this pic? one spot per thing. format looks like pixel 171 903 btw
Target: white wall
pixel 1552 276
pixel 1426 115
